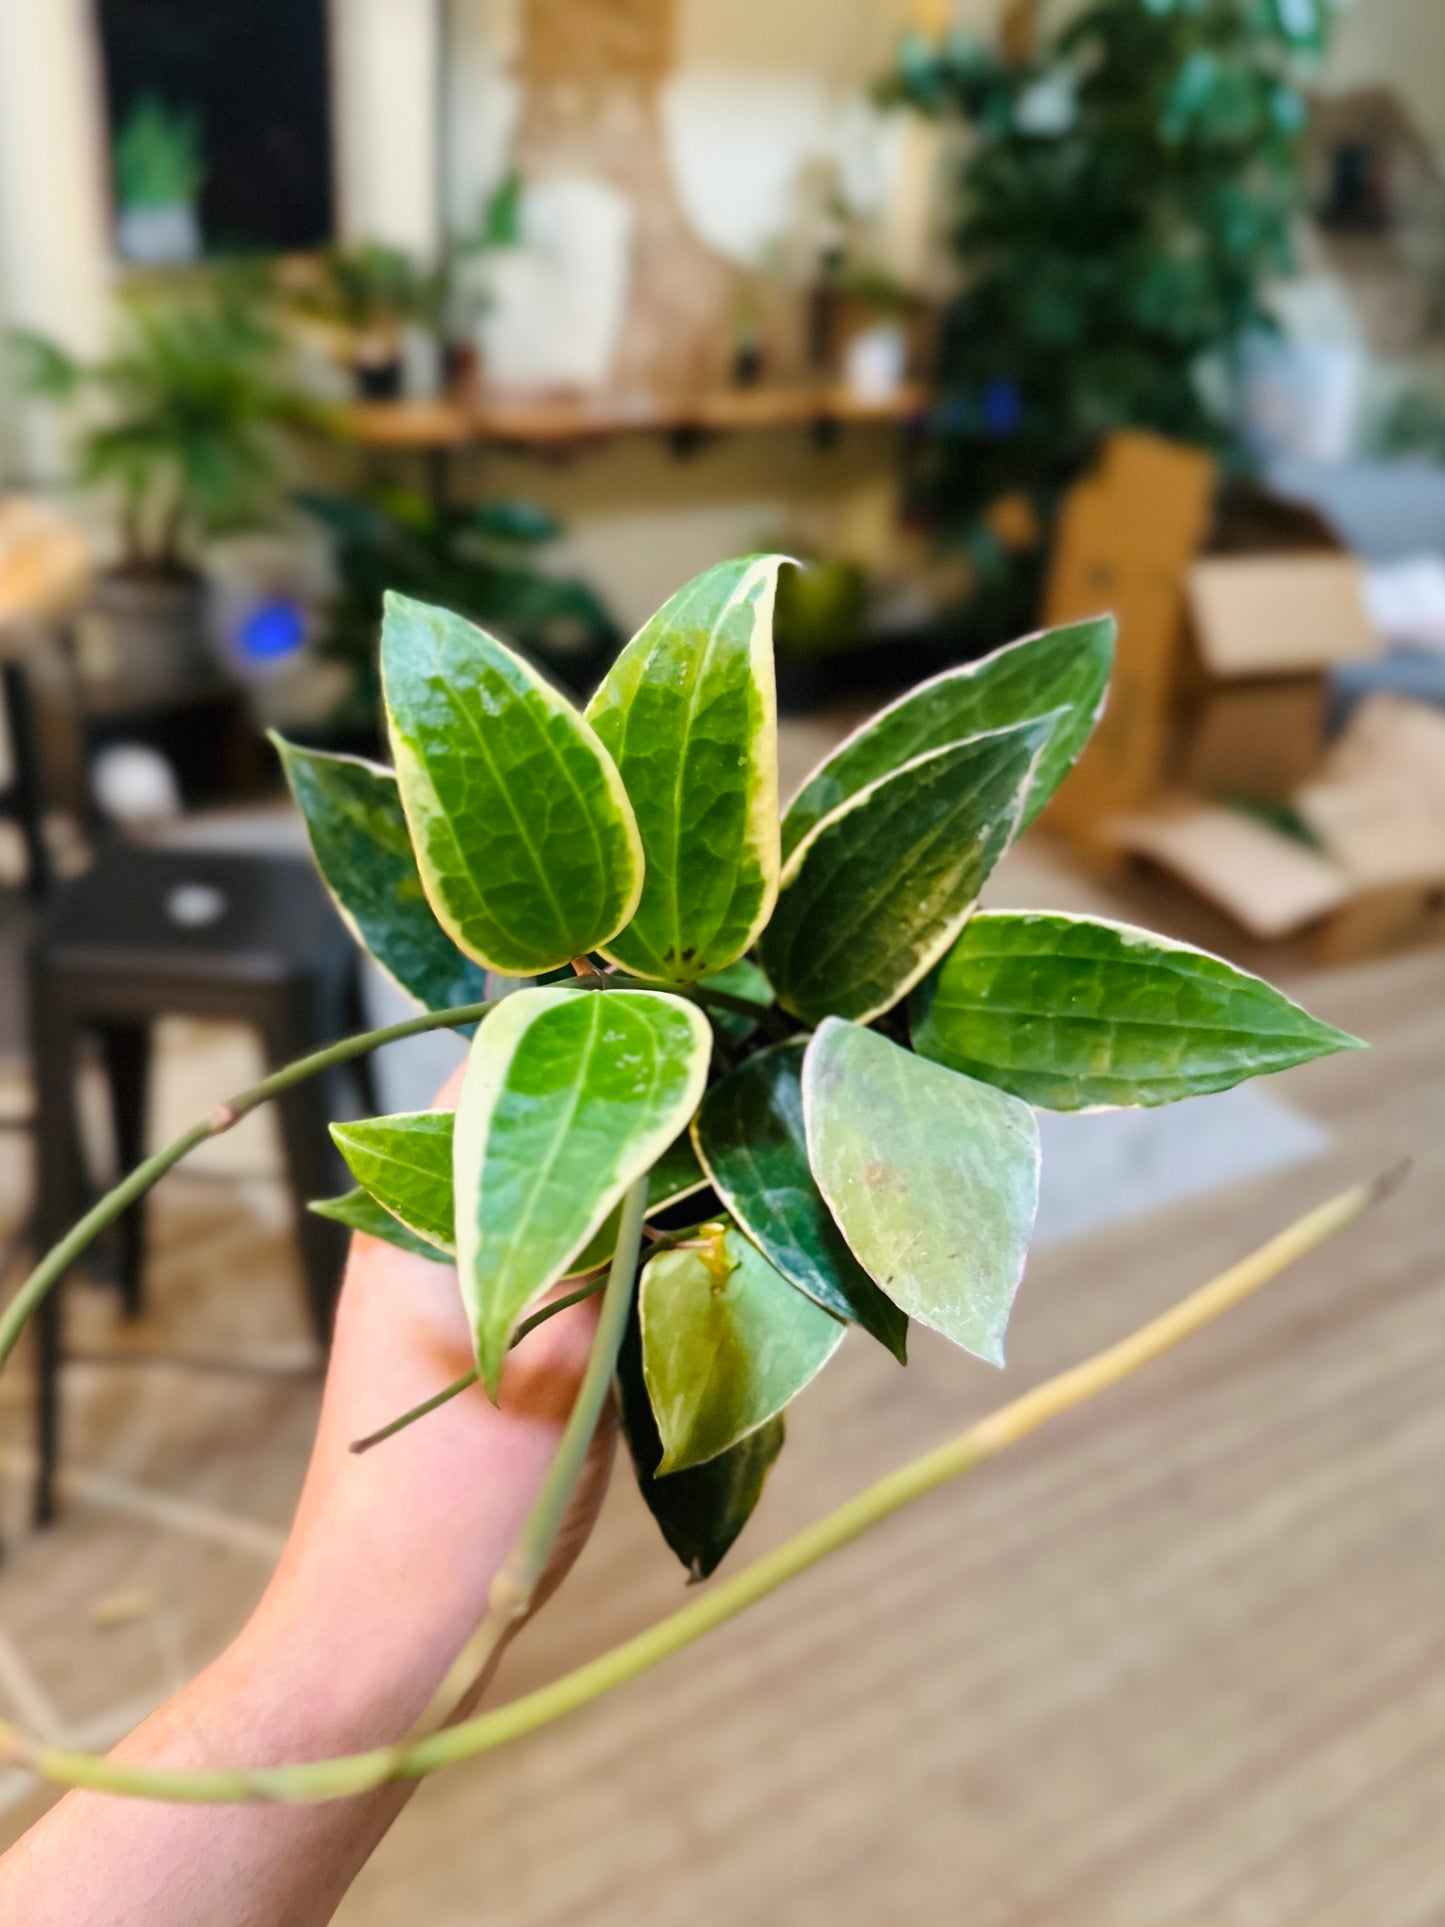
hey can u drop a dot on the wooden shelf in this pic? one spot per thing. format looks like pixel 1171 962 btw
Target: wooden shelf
pixel 563 421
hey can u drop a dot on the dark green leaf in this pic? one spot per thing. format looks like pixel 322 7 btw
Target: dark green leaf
pixel 740 979
pixel 569 1096
pixel 359 1211
pixel 727 1343
pixel 1076 1013
pixel 1059 670
pixel 701 1511
pixel 359 839
pixel 689 712
pixel 877 892
pixel 932 1177
pixel 749 1134
pixel 525 840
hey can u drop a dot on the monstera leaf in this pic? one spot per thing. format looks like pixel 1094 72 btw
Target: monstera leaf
pixel 569 1097
pixel 1076 1013
pixel 932 1177
pixel 689 714
pixel 526 843
pixel 359 839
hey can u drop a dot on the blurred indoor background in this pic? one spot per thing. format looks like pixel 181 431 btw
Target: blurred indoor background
pixel 994 314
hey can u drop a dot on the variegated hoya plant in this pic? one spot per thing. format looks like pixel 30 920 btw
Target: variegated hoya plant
pixel 804 1024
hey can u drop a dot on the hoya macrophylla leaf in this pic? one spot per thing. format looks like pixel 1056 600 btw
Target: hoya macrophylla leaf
pixel 878 891
pixel 404 1164
pixel 1064 671
pixel 525 840
pixel 362 848
pixel 568 1097
pixel 727 1343
pixel 359 1211
pixel 932 1177
pixel 1078 1013
pixel 700 1511
pixel 749 1135
pixel 689 714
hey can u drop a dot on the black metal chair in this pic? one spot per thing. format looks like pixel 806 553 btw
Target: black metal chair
pixel 147 933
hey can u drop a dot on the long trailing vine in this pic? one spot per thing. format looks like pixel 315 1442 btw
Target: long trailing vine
pixel 797 1038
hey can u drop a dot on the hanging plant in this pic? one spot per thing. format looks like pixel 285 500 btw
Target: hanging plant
pixel 800 1023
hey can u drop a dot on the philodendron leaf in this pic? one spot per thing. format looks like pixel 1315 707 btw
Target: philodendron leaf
pixel 727 1342
pixel 689 714
pixel 569 1096
pixel 876 893
pixel 359 1211
pixel 525 840
pixel 1061 670
pixel 700 1511
pixel 1076 1013
pixel 932 1177
pixel 363 850
pixel 404 1164
pixel 749 1135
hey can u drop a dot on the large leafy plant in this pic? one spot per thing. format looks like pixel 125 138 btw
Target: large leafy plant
pixel 800 1022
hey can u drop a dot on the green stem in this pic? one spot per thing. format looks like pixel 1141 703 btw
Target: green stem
pixel 468 1379
pixel 360 1772
pixel 509 1598
pixel 61 1257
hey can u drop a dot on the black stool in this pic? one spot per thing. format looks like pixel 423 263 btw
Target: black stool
pixel 151 933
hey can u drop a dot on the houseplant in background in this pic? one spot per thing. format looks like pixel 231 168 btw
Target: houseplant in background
pixel 477 560
pixel 1126 195
pixel 158 176
pixel 368 296
pixel 796 1033
pixel 177 428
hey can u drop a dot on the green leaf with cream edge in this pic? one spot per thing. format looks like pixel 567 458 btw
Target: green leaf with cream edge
pixel 1079 1013
pixel 727 1343
pixel 404 1164
pixel 689 714
pixel 359 1211
pixel 749 1135
pixel 877 892
pixel 525 840
pixel 1063 670
pixel 568 1097
pixel 932 1177
pixel 362 848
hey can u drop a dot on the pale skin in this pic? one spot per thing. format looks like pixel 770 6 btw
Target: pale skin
pixel 384 1576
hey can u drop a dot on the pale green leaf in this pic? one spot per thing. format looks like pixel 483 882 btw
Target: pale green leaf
pixel 1064 671
pixel 525 840
pixel 749 1134
pixel 568 1097
pixel 876 893
pixel 1078 1013
pixel 727 1343
pixel 689 714
pixel 362 848
pixel 931 1176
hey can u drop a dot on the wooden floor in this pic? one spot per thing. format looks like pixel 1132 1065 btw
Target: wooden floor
pixel 1178 1661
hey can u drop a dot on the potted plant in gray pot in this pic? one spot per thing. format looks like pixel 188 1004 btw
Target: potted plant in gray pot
pixel 179 431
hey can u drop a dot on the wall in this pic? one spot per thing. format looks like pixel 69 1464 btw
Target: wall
pixel 1394 43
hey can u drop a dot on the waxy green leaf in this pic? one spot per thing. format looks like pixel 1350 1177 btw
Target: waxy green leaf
pixel 1065 671
pixel 363 850
pixel 359 1211
pixel 876 893
pixel 931 1176
pixel 727 1343
pixel 568 1097
pixel 700 1511
pixel 741 979
pixel 1077 1012
pixel 404 1162
pixel 689 714
pixel 526 843
pixel 749 1135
